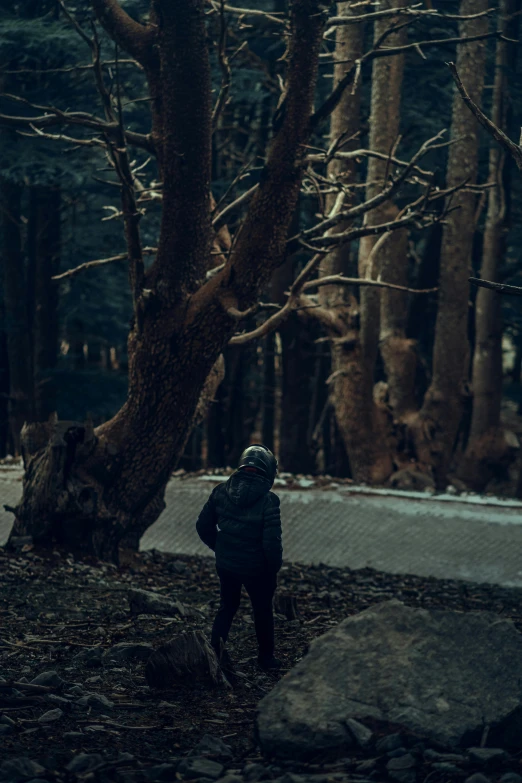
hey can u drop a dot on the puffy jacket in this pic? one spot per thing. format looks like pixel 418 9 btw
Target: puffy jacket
pixel 241 523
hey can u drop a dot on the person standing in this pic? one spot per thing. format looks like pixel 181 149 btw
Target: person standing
pixel 241 523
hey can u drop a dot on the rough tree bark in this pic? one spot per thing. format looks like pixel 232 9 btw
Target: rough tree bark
pixel 355 328
pixel 436 427
pixel 20 408
pixel 490 448
pixel 100 487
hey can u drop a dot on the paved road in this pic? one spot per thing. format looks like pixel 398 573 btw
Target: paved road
pixel 393 532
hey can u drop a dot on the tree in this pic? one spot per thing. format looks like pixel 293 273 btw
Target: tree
pixel 489 447
pixel 436 427
pixel 96 488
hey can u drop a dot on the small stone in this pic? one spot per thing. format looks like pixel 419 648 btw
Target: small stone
pixel 91 657
pixel 397 753
pixel 77 691
pixel 19 769
pixel 445 766
pixel 478 777
pixel 486 755
pixel 52 698
pixel 366 766
pixel 161 772
pixel 402 769
pixel 254 772
pixel 50 716
pixel 50 678
pixel 231 779
pixel 84 762
pixel 96 701
pixel 363 736
pixel 511 777
pixel 126 651
pixel 390 742
pixel 147 602
pixel 94 679
pixel 197 767
pixel 212 746
pixel 73 735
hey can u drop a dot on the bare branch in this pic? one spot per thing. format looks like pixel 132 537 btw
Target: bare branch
pixel 251 12
pixel 505 142
pixel 324 157
pixel 147 251
pixel 220 219
pixel 382 51
pixel 357 281
pixel 53 116
pixel 226 73
pixel 381 197
pixel 414 11
pixel 501 288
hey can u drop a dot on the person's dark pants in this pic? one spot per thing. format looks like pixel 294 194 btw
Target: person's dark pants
pixel 261 589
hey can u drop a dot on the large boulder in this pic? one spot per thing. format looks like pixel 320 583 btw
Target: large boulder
pixel 442 675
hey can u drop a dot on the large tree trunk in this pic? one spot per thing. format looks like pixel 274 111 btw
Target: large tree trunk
pixel 488 449
pixel 95 489
pixel 436 428
pixel 354 349
pixel 16 314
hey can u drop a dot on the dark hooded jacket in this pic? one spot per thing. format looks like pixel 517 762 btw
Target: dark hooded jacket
pixel 241 523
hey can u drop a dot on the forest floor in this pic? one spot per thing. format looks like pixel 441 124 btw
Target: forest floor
pixel 53 608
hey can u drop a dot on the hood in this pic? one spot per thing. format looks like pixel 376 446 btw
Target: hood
pixel 245 489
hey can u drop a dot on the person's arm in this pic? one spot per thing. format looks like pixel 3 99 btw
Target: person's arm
pixel 272 534
pixel 206 524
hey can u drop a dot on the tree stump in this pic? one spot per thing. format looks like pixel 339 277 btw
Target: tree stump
pixel 188 656
pixel 286 604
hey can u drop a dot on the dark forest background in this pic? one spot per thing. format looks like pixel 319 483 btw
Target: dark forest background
pixel 70 334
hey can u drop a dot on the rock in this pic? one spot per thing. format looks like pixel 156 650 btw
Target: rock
pixel 146 602
pixel 19 769
pixel 50 678
pixel 477 778
pixel 161 772
pixel 92 680
pixel 486 755
pixel 212 746
pixel 254 772
pixel 84 762
pixel 6 730
pixel 196 767
pixel 231 779
pixel 96 701
pixel 434 755
pixel 379 665
pixel 366 766
pixel 76 690
pixel 50 716
pixel 362 735
pixel 127 651
pixel 511 777
pixel 72 736
pixel 402 769
pixel 396 753
pixel 52 698
pixel 187 656
pixel 390 742
pixel 90 657
pixel 445 766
